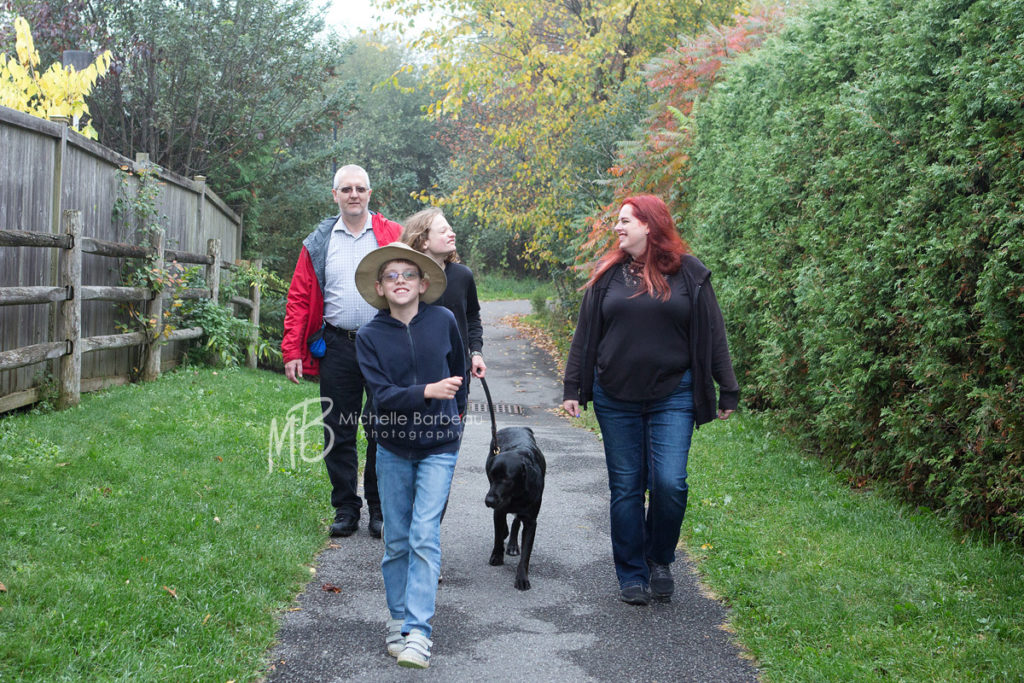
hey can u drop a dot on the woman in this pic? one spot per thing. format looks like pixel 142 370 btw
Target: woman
pixel 428 231
pixel 649 346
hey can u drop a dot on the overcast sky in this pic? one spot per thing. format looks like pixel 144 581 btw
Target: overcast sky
pixel 347 17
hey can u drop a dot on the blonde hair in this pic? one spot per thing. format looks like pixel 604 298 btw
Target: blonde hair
pixel 417 231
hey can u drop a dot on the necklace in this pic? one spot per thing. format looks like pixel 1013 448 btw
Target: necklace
pixel 631 273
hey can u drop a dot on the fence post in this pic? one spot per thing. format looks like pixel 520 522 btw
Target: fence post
pixel 213 269
pixel 254 318
pixel 71 314
pixel 155 313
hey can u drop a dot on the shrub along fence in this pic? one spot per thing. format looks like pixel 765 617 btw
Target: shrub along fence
pixel 70 292
pixel 856 189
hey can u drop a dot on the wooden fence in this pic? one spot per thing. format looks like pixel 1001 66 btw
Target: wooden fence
pixel 71 292
pixel 46 169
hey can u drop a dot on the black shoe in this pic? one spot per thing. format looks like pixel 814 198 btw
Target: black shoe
pixel 635 595
pixel 345 524
pixel 376 522
pixel 662 583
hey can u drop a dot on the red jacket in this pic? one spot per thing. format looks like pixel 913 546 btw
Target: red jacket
pixel 304 312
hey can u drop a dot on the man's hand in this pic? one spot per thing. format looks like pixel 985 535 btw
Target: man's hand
pixel 293 370
pixel 571 407
pixel 444 389
pixel 479 368
pixel 724 414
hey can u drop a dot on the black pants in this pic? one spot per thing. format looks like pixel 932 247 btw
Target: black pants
pixel 341 398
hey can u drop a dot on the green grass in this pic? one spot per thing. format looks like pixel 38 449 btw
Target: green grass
pixel 147 489
pixel 831 583
pixel 143 490
pixel 501 287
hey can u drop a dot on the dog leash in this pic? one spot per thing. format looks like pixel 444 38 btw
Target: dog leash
pixel 494 424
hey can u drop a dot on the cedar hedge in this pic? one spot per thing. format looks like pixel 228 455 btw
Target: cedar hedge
pixel 857 188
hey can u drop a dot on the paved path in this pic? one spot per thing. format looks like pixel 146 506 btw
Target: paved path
pixel 570 626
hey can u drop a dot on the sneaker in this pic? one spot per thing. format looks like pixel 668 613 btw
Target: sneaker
pixel 416 654
pixel 662 584
pixel 635 595
pixel 395 641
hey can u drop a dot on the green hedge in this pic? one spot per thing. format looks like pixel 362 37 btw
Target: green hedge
pixel 857 188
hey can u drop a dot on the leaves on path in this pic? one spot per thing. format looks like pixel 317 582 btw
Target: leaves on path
pixel 537 336
pixel 330 588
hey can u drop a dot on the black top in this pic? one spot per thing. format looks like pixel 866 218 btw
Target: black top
pixel 709 350
pixel 644 347
pixel 460 298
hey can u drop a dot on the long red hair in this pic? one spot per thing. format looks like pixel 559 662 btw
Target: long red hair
pixel 665 248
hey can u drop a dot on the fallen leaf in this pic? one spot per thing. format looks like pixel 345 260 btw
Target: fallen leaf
pixel 206 619
pixel 3 588
pixel 173 592
pixel 330 588
pixel 63 464
pixel 217 519
pixel 220 459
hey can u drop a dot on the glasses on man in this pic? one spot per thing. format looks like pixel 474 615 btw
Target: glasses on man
pixel 349 189
pixel 393 275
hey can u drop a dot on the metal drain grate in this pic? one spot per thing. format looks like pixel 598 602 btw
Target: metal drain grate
pixel 499 408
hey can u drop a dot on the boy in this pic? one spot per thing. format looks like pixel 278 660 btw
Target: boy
pixel 413 359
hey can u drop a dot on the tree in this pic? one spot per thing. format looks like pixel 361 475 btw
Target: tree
pixel 517 80
pixel 380 126
pixel 58 91
pixel 205 87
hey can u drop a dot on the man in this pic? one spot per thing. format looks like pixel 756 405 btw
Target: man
pixel 323 291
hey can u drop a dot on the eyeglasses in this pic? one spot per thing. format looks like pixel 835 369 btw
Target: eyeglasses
pixel 349 188
pixel 407 275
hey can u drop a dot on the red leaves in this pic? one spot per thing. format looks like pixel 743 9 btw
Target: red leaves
pixel 329 588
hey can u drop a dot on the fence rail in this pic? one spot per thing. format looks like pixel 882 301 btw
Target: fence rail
pixel 70 293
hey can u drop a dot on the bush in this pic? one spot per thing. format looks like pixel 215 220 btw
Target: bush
pixel 856 191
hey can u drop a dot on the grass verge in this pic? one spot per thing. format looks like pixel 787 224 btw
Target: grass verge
pixel 831 583
pixel 502 287
pixel 147 537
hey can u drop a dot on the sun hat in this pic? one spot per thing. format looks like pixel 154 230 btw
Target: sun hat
pixel 366 272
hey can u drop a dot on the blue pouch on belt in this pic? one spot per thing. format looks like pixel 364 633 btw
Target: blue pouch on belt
pixel 317 344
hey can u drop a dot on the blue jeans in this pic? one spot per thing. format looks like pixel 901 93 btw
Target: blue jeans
pixel 412 495
pixel 646 445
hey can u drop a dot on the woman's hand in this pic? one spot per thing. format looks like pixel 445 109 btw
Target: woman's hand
pixel 479 368
pixel 724 414
pixel 443 390
pixel 571 407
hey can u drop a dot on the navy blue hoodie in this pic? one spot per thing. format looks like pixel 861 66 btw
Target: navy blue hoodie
pixel 398 361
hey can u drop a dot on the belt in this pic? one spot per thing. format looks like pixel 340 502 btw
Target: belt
pixel 351 334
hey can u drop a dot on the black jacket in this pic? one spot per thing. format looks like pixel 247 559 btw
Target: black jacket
pixel 709 350
pixel 398 361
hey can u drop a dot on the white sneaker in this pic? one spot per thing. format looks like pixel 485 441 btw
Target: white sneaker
pixel 416 654
pixel 395 640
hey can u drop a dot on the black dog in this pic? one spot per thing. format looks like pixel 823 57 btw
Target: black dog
pixel 515 468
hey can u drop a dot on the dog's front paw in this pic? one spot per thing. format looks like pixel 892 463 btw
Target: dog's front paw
pixel 522 583
pixel 512 549
pixel 497 559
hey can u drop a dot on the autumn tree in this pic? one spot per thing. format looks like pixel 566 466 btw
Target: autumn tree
pixel 520 81
pixel 657 161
